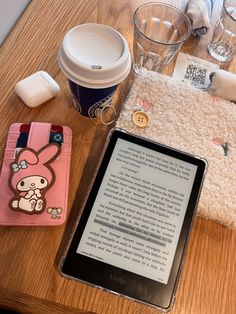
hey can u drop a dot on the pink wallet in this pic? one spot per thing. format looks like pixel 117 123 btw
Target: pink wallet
pixel 35 172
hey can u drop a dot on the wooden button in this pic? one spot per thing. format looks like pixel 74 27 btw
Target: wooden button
pixel 140 118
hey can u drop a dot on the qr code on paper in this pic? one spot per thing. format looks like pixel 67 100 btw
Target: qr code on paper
pixel 196 74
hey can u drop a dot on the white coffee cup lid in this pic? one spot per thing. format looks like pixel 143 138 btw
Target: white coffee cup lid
pixel 94 56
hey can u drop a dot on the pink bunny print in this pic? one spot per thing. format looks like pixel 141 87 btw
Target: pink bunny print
pixel 31 177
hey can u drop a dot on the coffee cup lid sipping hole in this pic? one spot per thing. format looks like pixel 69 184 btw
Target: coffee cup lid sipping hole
pixel 95 56
pixel 97 67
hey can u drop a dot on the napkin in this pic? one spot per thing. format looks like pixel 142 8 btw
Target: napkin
pixel 199 12
pixel 223 84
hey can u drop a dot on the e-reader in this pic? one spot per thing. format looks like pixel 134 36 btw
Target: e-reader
pixel 134 228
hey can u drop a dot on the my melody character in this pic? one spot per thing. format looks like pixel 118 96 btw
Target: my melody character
pixel 31 177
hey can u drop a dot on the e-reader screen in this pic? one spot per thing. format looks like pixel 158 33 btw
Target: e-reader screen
pixel 138 208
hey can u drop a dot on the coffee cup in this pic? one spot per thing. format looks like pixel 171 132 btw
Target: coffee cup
pixel 95 58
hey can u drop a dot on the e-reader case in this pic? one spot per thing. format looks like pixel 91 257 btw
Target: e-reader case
pixel 98 269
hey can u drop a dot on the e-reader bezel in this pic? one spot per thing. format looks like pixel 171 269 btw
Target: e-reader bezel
pixel 117 280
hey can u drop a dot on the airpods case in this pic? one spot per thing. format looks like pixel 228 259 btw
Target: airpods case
pixel 36 89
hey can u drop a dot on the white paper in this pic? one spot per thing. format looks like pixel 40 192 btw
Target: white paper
pixel 193 70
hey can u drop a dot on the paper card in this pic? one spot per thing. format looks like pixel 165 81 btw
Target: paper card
pixel 193 70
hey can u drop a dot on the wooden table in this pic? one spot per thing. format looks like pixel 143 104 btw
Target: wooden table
pixel 29 280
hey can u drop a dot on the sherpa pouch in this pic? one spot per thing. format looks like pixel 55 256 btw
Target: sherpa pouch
pixel 35 174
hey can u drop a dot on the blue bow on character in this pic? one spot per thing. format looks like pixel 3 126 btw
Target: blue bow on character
pixel 22 165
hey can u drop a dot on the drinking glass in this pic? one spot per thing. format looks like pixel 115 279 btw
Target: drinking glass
pixel 223 44
pixel 159 32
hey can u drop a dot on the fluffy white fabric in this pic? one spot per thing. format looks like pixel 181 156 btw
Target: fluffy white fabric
pixel 188 119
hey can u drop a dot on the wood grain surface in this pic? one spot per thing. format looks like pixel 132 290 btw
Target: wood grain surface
pixel 29 277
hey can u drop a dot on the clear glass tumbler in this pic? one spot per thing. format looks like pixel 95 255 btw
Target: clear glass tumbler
pixel 223 44
pixel 159 32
